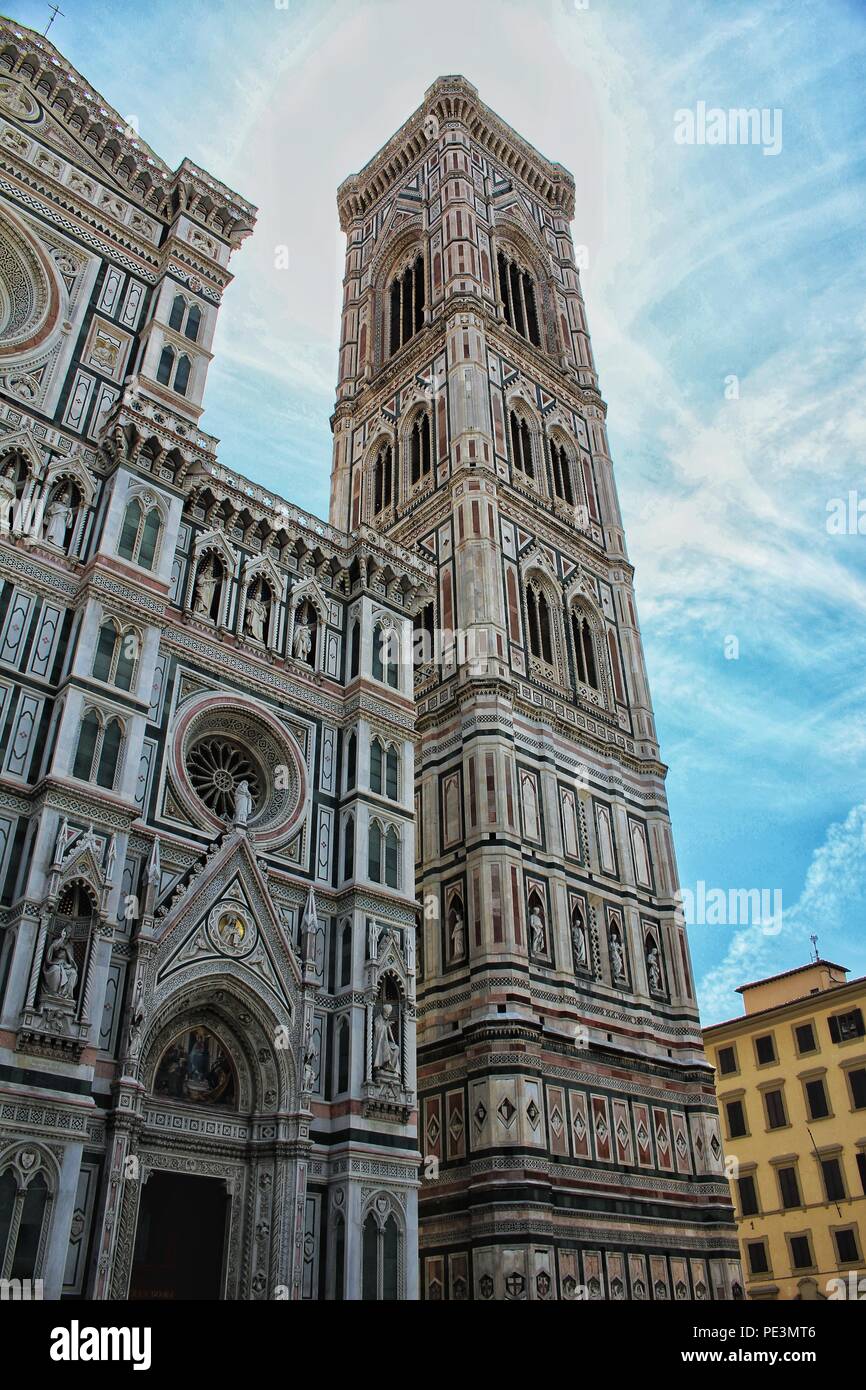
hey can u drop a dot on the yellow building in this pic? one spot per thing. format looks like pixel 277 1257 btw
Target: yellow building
pixel 791 1084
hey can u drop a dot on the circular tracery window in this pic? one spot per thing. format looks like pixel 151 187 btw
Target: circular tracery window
pixel 216 766
pixel 221 740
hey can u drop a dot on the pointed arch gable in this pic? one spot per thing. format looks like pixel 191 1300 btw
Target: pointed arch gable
pixel 72 470
pixel 215 541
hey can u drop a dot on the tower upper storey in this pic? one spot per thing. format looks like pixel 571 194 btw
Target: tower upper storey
pixel 458 210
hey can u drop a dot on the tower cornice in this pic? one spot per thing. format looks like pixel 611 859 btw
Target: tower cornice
pixel 452 100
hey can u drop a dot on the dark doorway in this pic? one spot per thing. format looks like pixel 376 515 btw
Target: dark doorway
pixel 180 1238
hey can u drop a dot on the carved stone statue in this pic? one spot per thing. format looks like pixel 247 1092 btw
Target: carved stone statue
pixel 617 959
pixel 386 1050
pixel 458 938
pixel 302 642
pixel 310 1066
pixel 136 1018
pixel 256 616
pixel 536 931
pixel 60 972
pixel 58 518
pixel 205 588
pixel 243 803
pixel 654 968
pixel 578 942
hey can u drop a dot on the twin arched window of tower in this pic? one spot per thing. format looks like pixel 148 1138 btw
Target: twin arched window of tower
pixel 384 770
pixel 406 298
pixel 521 445
pixel 383 479
pixel 98 751
pixel 517 298
pixel 383 855
pixel 185 319
pixel 117 652
pixel 139 535
pixel 174 376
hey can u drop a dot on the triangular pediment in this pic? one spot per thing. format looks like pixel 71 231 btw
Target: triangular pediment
pixel 224 914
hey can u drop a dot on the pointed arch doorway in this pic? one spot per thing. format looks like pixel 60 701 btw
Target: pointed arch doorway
pixel 181 1240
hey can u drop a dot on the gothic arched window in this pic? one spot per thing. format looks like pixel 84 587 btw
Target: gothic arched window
pixel 24 1196
pixel 351 760
pixel 419 449
pixel 521 445
pixel 106 768
pixel 346 955
pixel 386 656
pixel 178 309
pixel 380 1259
pixel 193 324
pixel 406 305
pixel 181 376
pixel 97 753
pixel 342 1054
pixel 116 655
pixel 392 773
pixel 392 858
pixel 139 534
pixel 349 847
pixel 584 649
pixel 561 466
pixel 374 852
pixel 517 297
pixel 354 650
pixel 376 760
pixel 539 623
pixel 166 366
pixel 383 479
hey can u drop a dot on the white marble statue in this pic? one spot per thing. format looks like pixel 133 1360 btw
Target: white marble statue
pixel 302 642
pixel 256 617
pixel 386 1051
pixel 578 941
pixel 60 972
pixel 205 588
pixel 617 959
pixel 58 518
pixel 536 929
pixel 654 968
pixel 458 938
pixel 243 803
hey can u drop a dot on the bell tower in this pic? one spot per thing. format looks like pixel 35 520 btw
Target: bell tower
pixel 568 1123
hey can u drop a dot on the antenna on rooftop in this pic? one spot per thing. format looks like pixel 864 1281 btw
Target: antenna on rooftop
pixel 55 11
pixel 814 941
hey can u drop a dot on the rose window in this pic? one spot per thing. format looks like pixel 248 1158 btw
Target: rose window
pixel 215 767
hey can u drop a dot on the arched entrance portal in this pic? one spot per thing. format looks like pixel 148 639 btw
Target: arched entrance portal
pixel 216 1157
pixel 180 1245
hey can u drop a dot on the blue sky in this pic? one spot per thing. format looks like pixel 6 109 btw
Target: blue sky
pixel 705 262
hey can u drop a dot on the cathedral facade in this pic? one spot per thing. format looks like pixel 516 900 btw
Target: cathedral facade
pixel 278 794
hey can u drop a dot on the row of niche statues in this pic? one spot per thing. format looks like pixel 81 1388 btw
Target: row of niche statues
pixel 580 952
pixel 257 609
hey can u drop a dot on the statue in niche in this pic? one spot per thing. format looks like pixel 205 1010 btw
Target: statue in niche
pixel 256 615
pixel 205 588
pixel 617 959
pixel 458 936
pixel 59 517
pixel 311 1066
pixel 60 972
pixel 654 967
pixel 386 1049
pixel 243 803
pixel 302 642
pixel 578 941
pixel 536 931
